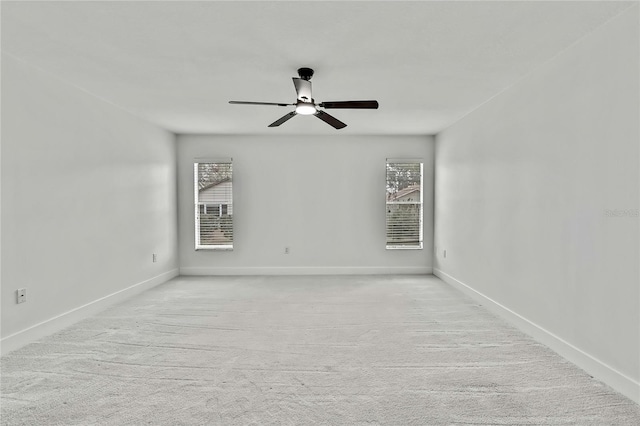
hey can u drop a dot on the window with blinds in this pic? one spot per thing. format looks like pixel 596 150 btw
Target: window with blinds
pixel 404 204
pixel 213 195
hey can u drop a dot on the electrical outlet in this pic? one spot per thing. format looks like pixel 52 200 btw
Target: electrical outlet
pixel 286 250
pixel 21 295
pixel 155 258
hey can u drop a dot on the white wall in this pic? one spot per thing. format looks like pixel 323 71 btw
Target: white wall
pixel 523 185
pixel 324 197
pixel 106 196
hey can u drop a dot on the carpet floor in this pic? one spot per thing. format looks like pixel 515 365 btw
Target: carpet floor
pixel 406 350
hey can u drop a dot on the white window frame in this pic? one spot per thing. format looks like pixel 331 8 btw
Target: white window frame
pixel 419 204
pixel 198 204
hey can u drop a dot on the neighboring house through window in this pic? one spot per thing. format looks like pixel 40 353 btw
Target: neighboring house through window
pixel 404 204
pixel 214 209
pixel 213 195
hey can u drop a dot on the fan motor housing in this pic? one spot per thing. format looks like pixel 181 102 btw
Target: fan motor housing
pixel 305 73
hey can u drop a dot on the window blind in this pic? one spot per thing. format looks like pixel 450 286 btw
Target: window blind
pixel 404 204
pixel 213 195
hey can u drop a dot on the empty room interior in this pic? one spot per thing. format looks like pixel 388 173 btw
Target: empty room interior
pixel 277 212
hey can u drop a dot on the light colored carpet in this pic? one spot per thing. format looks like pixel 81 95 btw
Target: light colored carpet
pixel 300 350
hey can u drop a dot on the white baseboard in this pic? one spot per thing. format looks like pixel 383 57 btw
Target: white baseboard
pixel 57 323
pixel 308 270
pixel 598 369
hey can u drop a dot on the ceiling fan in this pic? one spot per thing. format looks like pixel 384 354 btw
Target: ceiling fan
pixel 305 104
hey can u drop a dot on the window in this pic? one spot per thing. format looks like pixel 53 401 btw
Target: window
pixel 213 195
pixel 404 204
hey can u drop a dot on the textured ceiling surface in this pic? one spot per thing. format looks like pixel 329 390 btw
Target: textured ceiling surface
pixel 177 64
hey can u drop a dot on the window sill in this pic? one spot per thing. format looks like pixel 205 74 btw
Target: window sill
pixel 215 248
pixel 404 247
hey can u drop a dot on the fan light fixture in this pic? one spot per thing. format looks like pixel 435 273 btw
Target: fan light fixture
pixel 305 105
pixel 305 108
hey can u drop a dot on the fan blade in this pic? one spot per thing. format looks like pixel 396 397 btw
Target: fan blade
pixel 303 89
pixel 283 119
pixel 351 104
pixel 330 119
pixel 258 103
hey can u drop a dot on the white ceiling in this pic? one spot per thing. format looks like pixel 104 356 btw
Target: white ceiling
pixel 177 64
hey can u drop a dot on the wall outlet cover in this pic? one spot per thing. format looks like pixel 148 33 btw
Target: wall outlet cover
pixel 21 294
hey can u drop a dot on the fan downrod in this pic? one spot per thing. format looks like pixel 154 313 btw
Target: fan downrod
pixel 305 73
